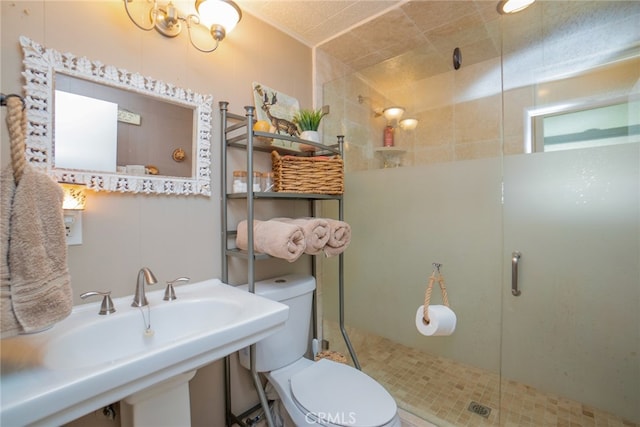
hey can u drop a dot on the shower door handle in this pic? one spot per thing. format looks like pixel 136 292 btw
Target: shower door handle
pixel 515 258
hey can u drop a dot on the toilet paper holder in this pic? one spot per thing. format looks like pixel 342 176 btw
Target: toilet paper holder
pixel 436 275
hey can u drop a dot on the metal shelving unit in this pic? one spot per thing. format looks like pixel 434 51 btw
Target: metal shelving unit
pixel 237 133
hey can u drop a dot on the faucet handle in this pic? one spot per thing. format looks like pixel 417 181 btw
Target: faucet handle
pixel 107 306
pixel 169 292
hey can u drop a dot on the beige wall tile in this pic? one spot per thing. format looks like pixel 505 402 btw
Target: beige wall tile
pixel 478 120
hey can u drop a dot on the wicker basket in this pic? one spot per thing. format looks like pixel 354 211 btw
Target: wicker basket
pixel 318 175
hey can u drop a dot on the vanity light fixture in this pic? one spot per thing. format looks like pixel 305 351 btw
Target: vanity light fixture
pixel 74 202
pixel 393 115
pixel 394 118
pixel 513 6
pixel 75 197
pixel 218 16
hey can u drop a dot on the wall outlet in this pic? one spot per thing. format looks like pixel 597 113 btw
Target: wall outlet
pixel 73 227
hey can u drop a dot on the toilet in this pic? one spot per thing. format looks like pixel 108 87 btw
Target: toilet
pixel 322 393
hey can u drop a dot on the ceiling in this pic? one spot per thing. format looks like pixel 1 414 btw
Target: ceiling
pixel 378 38
pixel 316 21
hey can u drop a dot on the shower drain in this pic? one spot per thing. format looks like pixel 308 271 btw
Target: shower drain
pixel 479 409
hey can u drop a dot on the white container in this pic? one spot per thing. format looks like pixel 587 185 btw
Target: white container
pixel 239 182
pixel 135 169
pixel 266 181
pixel 256 181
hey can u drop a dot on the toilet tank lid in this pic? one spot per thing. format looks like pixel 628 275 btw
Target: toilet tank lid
pixel 285 287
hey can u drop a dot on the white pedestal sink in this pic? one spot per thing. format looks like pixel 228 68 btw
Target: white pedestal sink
pixel 164 404
pixel 88 361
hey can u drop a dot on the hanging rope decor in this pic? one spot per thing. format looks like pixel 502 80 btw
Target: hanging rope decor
pixel 435 276
pixel 17 127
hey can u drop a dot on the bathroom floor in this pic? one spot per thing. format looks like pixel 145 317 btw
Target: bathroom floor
pixel 442 391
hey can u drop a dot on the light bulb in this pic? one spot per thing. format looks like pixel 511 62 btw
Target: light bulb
pixel 408 124
pixel 218 12
pixel 513 6
pixel 393 113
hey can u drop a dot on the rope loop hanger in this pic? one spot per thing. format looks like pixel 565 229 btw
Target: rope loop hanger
pixel 435 276
pixel 17 127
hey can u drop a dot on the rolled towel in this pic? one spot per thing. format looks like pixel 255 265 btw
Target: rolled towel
pixel 278 239
pixel 316 232
pixel 339 237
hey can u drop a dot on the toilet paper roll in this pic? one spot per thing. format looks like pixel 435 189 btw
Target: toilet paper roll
pixel 442 321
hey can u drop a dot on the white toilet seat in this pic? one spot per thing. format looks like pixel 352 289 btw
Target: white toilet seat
pixel 333 394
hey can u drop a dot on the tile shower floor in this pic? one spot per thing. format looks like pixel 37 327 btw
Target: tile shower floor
pixel 441 390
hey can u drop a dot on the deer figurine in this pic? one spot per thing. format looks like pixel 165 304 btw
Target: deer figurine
pixel 278 123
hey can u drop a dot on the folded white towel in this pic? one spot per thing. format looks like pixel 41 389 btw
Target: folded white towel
pixel 35 286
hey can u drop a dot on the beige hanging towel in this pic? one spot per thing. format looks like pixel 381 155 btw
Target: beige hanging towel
pixel 35 286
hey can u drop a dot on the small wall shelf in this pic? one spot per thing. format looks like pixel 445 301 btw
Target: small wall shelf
pixel 390 156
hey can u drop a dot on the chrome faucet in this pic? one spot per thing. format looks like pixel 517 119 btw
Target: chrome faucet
pixel 144 275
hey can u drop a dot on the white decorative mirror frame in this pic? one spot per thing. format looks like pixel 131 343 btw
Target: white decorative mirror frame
pixel 40 66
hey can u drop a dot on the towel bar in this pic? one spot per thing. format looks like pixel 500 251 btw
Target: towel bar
pixel 3 99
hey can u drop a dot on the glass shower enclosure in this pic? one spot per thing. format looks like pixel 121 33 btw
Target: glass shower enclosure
pixel 523 180
pixel 571 216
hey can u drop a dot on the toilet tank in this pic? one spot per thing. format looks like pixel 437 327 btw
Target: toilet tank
pixel 290 343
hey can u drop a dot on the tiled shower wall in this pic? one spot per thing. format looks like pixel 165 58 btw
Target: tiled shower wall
pixel 447 130
pixel 461 113
pixel 464 120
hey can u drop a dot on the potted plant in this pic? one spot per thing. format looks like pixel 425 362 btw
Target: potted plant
pixel 308 122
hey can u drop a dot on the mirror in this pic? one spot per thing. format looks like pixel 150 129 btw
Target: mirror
pixel 154 137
